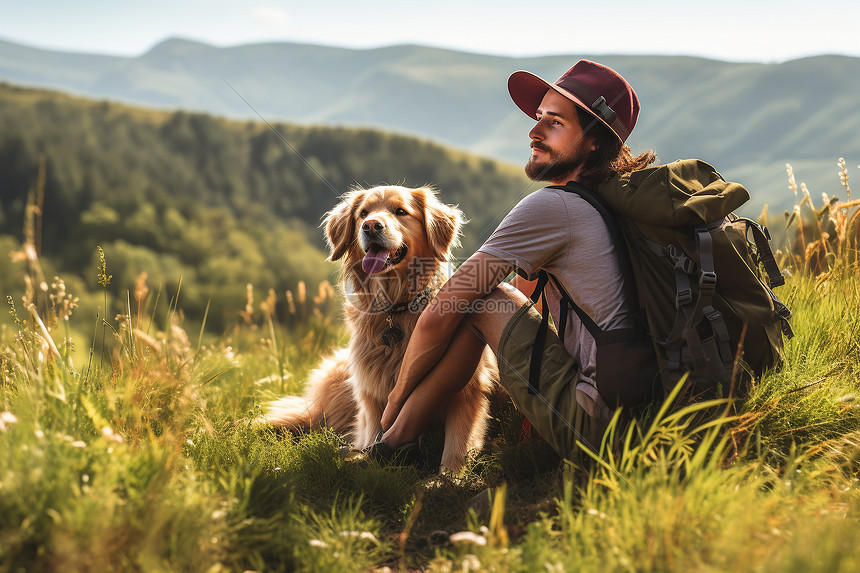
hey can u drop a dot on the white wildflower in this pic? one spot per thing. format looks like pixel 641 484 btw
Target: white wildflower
pixel 468 537
pixel 6 420
pixel 110 435
pixel 471 563
pixel 359 534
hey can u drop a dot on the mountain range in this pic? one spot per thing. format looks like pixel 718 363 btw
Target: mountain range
pixel 747 119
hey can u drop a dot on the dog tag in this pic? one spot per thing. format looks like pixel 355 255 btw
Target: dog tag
pixel 392 335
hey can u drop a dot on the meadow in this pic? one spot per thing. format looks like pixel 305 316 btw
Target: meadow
pixel 138 447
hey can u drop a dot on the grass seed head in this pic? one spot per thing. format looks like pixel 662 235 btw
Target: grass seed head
pixel 141 291
pixel 103 277
pixel 302 292
pixel 792 184
pixel 291 305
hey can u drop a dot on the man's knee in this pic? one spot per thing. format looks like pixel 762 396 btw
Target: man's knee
pixel 492 313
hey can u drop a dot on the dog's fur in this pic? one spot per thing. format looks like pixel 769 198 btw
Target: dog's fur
pixel 349 391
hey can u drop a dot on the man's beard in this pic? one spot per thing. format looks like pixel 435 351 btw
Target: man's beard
pixel 553 167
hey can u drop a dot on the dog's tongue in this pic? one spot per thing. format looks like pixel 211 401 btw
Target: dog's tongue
pixel 375 260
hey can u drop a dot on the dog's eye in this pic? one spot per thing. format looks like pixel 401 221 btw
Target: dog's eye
pixel 400 211
pixel 363 213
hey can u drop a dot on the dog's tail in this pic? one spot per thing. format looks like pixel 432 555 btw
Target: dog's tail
pixel 328 401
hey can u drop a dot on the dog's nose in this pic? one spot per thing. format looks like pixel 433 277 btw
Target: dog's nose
pixel 371 226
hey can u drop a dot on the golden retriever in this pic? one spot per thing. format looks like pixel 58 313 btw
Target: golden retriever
pixel 395 244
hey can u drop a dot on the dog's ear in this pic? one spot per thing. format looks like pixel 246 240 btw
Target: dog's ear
pixel 442 223
pixel 340 224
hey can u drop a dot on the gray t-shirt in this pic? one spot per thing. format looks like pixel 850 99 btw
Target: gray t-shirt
pixel 561 233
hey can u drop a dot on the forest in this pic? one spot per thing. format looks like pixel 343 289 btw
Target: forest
pixel 205 202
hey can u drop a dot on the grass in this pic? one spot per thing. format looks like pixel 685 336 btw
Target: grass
pixel 150 457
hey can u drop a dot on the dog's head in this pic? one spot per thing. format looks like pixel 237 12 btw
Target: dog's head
pixel 384 228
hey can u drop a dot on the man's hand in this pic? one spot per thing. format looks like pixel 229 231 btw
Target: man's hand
pixel 438 323
pixel 392 409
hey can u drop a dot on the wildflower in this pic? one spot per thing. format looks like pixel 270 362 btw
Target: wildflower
pixel 6 419
pixel 592 511
pixel 110 435
pixel 317 543
pixel 471 562
pixel 359 534
pixel 78 444
pixel 467 537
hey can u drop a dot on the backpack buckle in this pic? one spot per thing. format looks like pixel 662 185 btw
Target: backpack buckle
pixel 683 298
pixel 707 282
pixel 680 261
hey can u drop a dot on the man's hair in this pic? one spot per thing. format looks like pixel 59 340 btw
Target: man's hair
pixel 611 155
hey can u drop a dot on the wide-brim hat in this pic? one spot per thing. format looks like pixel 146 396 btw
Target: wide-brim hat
pixel 598 89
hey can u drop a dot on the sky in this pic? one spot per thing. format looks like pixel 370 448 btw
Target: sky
pixel 735 30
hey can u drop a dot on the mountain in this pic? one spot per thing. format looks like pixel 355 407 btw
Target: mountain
pixel 747 119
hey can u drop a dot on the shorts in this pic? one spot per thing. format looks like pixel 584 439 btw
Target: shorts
pixel 554 412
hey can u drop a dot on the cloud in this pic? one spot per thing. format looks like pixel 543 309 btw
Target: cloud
pixel 272 17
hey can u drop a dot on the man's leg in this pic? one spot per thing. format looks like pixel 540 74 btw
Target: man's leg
pixel 457 365
pixel 508 323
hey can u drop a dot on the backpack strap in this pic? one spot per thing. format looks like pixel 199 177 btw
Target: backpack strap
pixel 761 237
pixel 599 204
pixel 691 313
pixel 707 288
pixel 566 301
pixel 540 337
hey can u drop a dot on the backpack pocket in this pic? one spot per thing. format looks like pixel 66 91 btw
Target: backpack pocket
pixel 627 371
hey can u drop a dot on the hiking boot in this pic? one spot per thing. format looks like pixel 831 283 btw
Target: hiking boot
pixel 381 453
pixel 406 455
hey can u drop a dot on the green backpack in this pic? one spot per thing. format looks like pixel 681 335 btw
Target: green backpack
pixel 698 280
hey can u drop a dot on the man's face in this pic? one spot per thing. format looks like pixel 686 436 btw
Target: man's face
pixel 559 146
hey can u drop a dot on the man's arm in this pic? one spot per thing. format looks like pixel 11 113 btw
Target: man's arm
pixel 473 280
pixel 527 287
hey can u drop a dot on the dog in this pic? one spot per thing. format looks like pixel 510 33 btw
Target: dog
pixel 394 244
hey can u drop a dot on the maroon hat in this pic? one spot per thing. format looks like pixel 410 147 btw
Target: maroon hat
pixel 599 90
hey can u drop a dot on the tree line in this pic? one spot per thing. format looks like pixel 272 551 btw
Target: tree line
pixel 216 202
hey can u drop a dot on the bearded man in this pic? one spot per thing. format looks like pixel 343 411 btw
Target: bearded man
pixel 582 121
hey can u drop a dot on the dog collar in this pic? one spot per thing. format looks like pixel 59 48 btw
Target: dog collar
pixel 415 304
pixel 394 334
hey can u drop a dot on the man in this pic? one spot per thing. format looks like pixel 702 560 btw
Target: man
pixel 581 123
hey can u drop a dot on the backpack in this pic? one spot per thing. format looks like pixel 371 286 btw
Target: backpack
pixel 698 281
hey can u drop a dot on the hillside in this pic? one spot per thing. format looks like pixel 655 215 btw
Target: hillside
pixel 218 203
pixel 746 119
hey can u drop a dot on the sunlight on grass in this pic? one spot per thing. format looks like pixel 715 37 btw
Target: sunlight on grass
pixel 148 454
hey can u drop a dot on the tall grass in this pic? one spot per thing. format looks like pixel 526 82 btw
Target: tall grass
pixel 153 458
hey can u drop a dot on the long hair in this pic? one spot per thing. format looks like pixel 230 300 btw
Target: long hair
pixel 611 156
